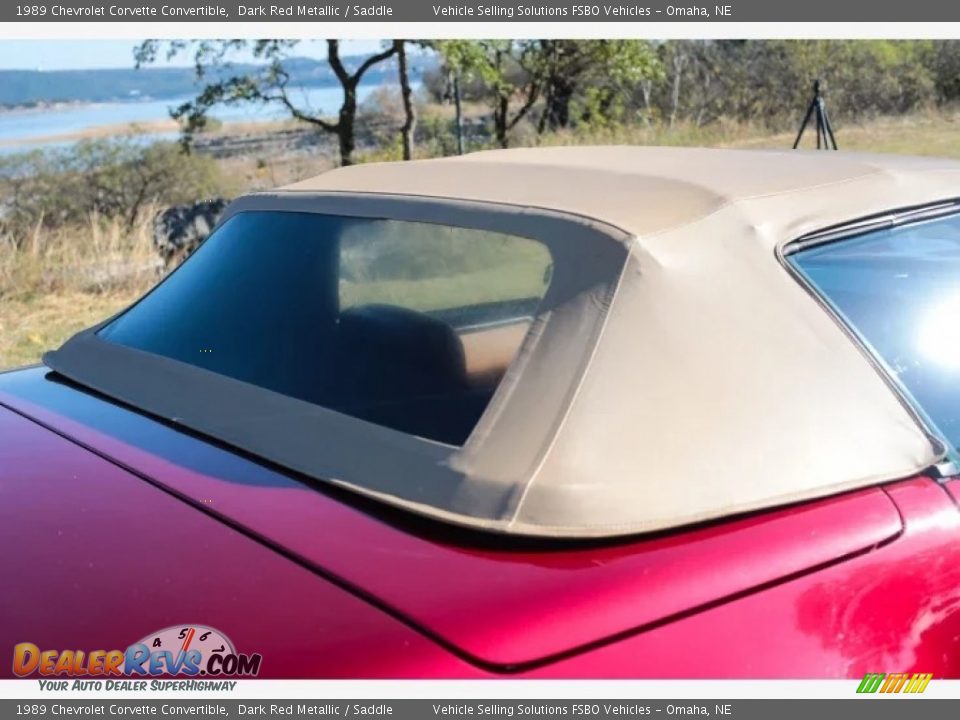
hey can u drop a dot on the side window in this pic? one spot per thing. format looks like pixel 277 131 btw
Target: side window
pixel 484 285
pixel 408 325
pixel 899 290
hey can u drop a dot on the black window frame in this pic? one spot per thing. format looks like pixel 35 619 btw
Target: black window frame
pixel 318 444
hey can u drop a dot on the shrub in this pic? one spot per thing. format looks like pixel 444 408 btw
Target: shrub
pixel 113 179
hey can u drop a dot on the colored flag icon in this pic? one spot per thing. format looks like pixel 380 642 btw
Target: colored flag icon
pixel 894 683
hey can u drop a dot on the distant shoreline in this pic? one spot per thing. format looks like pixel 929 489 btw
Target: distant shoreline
pixel 152 127
pixel 60 105
pixel 40 107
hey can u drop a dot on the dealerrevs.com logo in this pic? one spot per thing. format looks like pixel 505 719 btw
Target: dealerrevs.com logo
pixel 190 650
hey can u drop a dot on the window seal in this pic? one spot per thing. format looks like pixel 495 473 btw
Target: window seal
pixel 871 223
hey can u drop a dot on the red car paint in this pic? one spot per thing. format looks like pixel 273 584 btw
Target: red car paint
pixel 95 558
pixel 896 607
pixel 322 588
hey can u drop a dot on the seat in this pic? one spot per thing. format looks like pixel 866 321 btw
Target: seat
pixel 406 370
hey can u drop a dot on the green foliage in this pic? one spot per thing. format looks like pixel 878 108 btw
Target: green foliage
pixel 569 84
pixel 770 81
pixel 113 179
pixel 942 57
pixel 568 81
pixel 590 81
pixel 508 71
pixel 389 149
pixel 477 59
pixel 436 134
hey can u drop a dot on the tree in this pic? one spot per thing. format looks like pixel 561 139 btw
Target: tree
pixel 510 71
pixel 943 59
pixel 605 69
pixel 406 93
pixel 116 179
pixel 228 85
pixel 768 82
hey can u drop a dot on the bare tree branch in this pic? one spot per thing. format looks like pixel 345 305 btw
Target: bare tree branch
pixel 371 61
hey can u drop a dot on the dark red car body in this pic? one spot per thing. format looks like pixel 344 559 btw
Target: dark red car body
pixel 113 525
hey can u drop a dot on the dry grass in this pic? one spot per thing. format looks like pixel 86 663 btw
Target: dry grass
pixel 30 328
pixel 62 281
pixel 255 173
pixel 682 134
pixel 936 134
pixel 933 133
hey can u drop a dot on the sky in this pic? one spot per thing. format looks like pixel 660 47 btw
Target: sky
pixel 86 54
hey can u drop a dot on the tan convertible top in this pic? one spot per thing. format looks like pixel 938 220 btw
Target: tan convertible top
pixel 648 190
pixel 709 381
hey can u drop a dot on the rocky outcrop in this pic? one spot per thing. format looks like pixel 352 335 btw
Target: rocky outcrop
pixel 179 230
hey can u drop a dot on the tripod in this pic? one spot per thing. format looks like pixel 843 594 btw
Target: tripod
pixel 824 130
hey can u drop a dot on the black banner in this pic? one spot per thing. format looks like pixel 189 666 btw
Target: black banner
pixel 473 11
pixel 590 709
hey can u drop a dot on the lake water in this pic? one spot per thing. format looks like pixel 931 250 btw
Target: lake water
pixel 34 128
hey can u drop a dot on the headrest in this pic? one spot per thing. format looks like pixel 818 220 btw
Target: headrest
pixel 397 351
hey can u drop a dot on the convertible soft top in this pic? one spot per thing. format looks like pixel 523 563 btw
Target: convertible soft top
pixel 677 372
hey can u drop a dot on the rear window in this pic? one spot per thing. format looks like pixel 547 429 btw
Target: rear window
pixel 899 290
pixel 404 324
